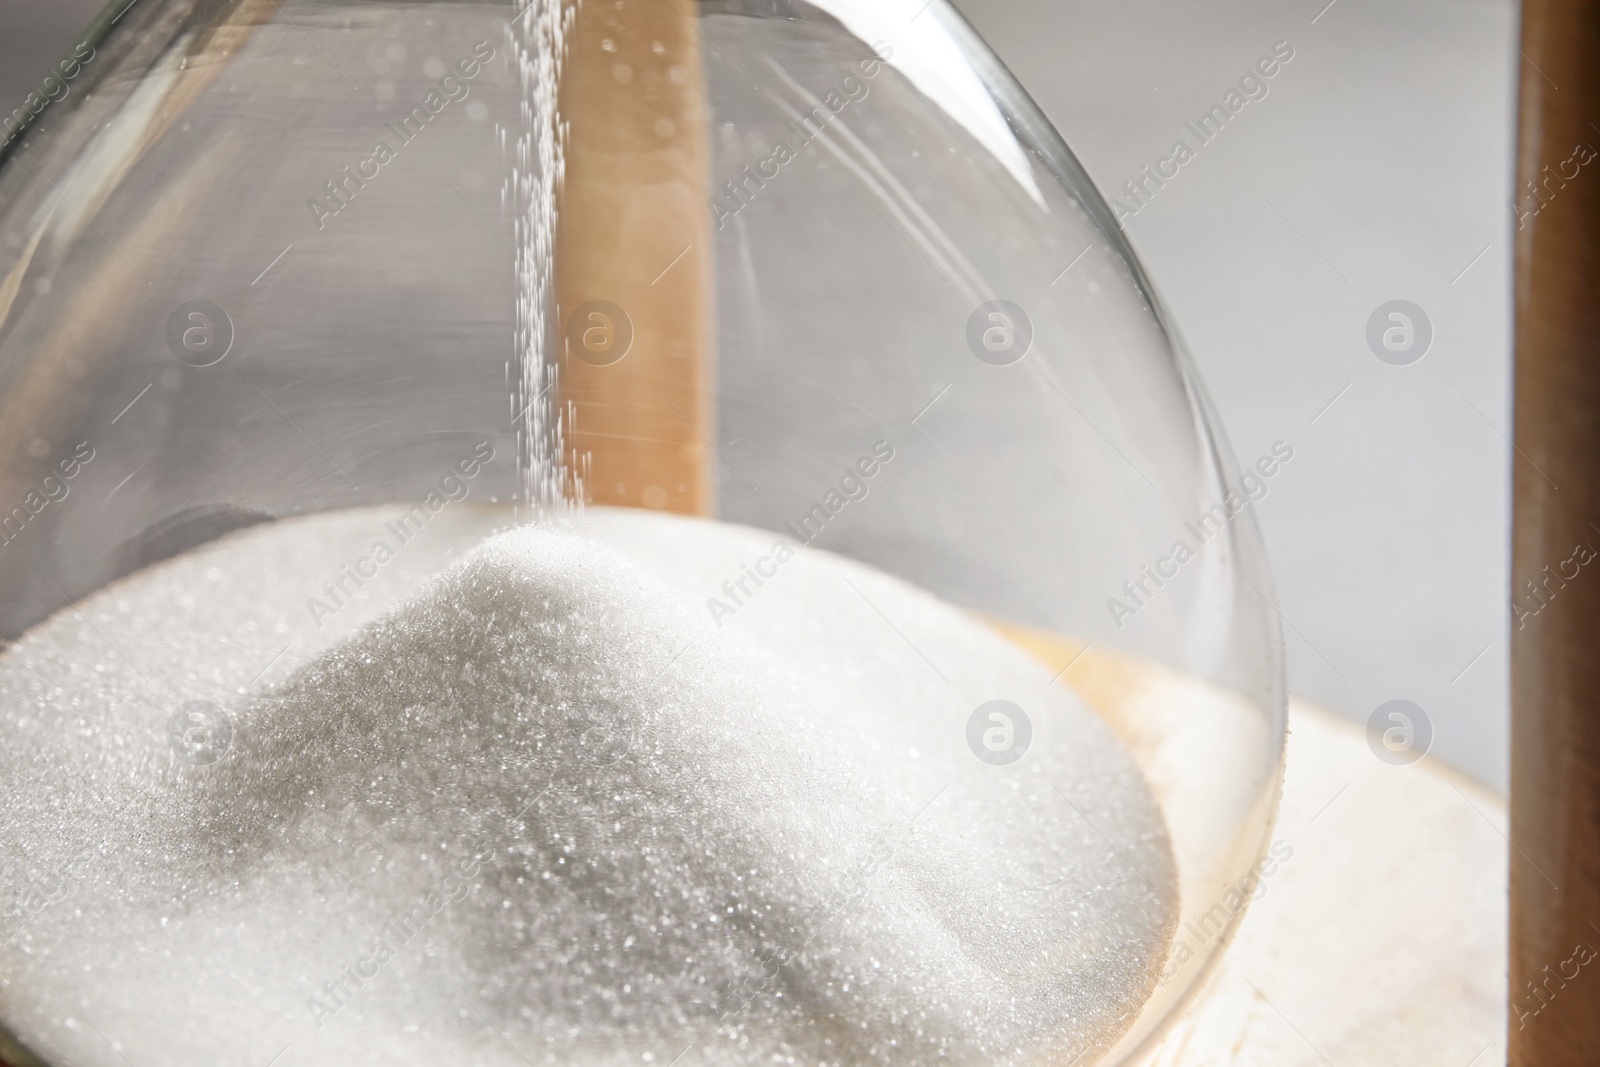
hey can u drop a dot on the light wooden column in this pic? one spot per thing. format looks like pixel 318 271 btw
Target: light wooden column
pixel 633 250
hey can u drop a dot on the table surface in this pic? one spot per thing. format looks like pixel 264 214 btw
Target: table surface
pixel 1382 940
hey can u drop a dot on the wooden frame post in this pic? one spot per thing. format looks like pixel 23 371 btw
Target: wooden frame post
pixel 1554 1010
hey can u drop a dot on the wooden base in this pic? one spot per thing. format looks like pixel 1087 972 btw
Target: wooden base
pixel 1380 942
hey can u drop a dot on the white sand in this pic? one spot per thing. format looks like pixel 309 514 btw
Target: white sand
pixel 543 807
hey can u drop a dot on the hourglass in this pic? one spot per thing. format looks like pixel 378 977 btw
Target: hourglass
pixel 605 533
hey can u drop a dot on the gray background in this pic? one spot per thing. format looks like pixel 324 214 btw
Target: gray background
pixel 1377 168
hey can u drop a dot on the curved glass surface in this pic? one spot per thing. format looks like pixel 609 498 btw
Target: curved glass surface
pixel 274 260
